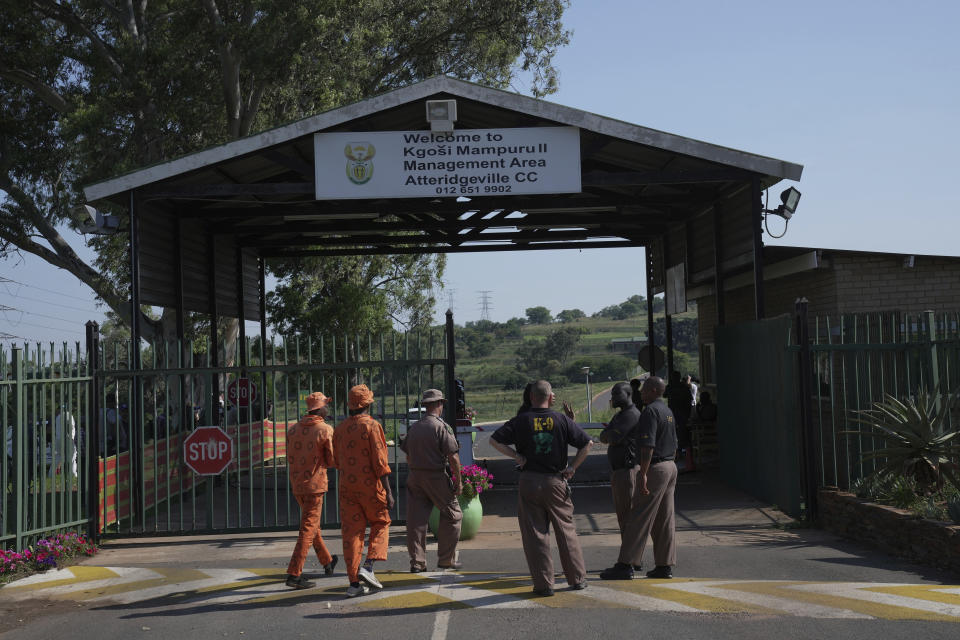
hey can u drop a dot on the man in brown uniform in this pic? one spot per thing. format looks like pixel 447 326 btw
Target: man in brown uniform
pixel 430 446
pixel 541 437
pixel 309 454
pixel 656 441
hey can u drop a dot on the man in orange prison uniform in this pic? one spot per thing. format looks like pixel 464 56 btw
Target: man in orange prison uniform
pixel 365 496
pixel 309 454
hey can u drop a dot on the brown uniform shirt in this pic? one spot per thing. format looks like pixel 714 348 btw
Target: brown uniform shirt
pixel 309 454
pixel 428 443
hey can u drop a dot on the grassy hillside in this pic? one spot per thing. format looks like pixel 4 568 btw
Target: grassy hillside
pixel 485 377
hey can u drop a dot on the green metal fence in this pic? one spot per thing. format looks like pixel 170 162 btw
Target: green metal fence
pixel 95 437
pixel 45 395
pixel 856 359
pixel 146 487
pixel 757 426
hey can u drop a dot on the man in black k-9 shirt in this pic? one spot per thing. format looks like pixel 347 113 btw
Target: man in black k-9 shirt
pixel 540 437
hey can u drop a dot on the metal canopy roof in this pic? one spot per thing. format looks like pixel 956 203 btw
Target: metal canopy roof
pixel 640 187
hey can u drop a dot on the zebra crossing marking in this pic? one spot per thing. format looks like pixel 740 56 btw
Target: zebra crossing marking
pixel 445 591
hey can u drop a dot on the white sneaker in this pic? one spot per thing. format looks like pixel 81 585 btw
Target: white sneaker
pixel 367 576
pixel 359 590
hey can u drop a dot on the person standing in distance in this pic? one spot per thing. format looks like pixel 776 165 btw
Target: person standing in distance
pixel 430 447
pixel 656 442
pixel 309 455
pixel 541 437
pixel 365 498
pixel 622 455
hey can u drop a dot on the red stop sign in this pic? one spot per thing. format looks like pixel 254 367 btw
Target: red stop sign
pixel 208 451
pixel 242 392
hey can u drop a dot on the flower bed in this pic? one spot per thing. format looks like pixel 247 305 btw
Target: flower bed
pixel 892 530
pixel 53 551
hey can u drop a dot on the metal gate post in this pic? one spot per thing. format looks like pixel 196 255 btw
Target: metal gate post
pixel 808 444
pixel 451 377
pixel 19 431
pixel 93 432
pixel 933 364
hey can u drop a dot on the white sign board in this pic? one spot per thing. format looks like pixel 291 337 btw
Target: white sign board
pixel 469 162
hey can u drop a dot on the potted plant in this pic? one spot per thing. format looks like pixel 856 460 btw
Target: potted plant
pixel 475 480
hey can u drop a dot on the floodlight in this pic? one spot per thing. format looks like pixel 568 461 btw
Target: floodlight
pixel 790 197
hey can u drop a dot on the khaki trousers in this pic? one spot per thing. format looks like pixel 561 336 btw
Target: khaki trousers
pixel 545 499
pixel 425 490
pixel 623 482
pixel 653 517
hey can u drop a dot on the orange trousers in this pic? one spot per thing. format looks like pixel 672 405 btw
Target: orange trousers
pixel 357 511
pixel 311 508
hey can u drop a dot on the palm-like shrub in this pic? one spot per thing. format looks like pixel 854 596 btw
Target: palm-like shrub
pixel 916 441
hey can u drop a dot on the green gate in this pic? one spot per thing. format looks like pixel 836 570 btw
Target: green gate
pixel 95 438
pixel 145 485
pixel 757 422
pixel 45 413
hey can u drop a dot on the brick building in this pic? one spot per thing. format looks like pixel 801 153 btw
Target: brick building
pixel 834 282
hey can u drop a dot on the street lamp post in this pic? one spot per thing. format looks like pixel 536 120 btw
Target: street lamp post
pixel 586 372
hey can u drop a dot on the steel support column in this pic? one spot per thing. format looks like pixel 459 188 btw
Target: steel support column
pixel 93 433
pixel 242 328
pixel 263 311
pixel 651 342
pixel 136 396
pixel 178 280
pixel 756 221
pixel 214 318
pixel 719 296
pixel 450 406
pixel 667 322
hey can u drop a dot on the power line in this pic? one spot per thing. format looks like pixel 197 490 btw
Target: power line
pixel 4 309
pixel 57 304
pixel 8 281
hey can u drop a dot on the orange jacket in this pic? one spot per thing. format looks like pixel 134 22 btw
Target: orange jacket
pixel 309 455
pixel 360 450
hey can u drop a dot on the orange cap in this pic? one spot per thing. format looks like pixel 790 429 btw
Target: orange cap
pixel 359 397
pixel 316 400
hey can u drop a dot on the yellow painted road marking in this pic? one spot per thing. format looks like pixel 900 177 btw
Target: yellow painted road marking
pixel 932 592
pixel 746 593
pixel 61 577
pixel 446 591
pixel 713 603
pixel 866 596
pixel 425 600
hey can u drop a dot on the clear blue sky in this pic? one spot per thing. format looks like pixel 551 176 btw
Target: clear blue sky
pixel 865 95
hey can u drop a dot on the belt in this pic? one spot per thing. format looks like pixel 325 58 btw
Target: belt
pixel 658 460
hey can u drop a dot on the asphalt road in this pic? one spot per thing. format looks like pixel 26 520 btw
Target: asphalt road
pixel 743 572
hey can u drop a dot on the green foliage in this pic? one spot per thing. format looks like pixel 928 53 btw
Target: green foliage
pixel 917 442
pixel 353 294
pixel 538 315
pixel 570 315
pixel 546 359
pixel 92 89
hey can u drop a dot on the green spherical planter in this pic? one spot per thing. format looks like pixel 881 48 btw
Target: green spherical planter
pixel 472 515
